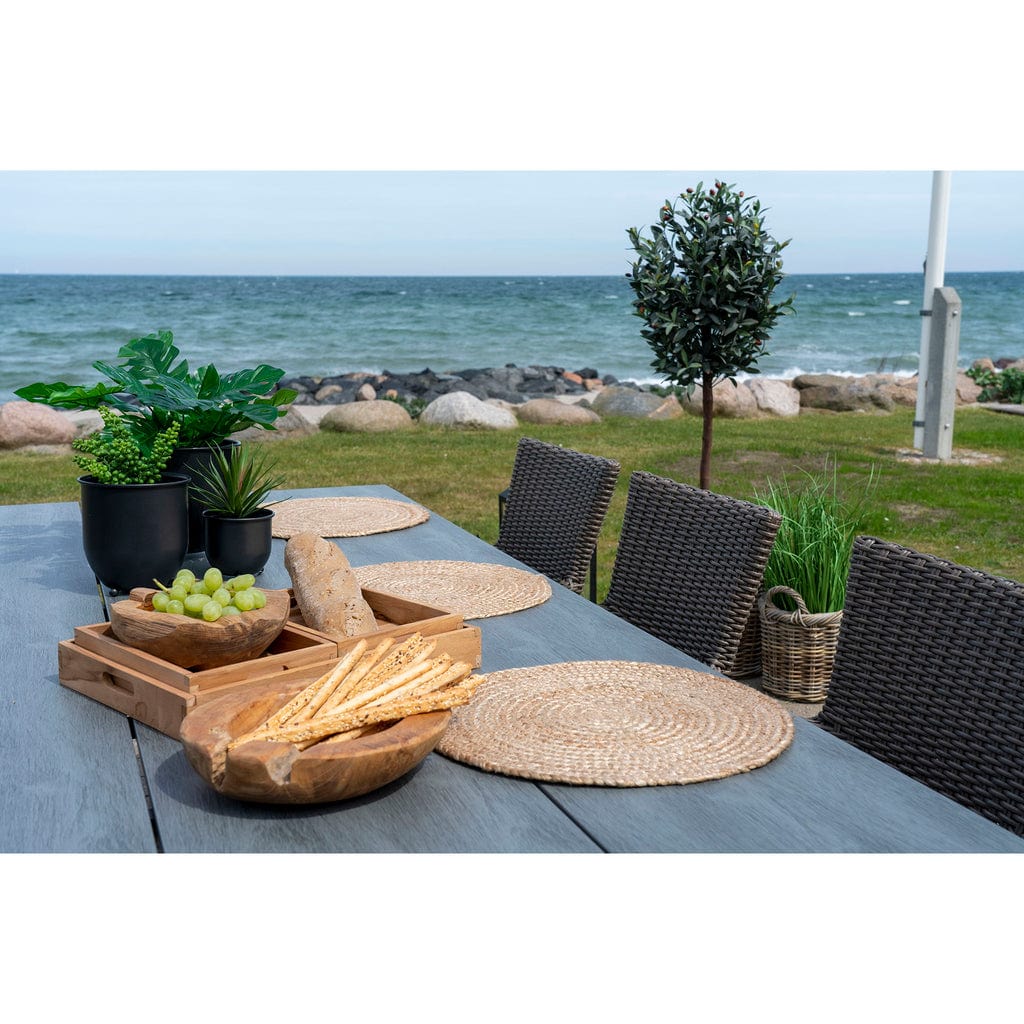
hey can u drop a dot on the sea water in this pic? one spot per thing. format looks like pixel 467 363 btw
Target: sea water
pixel 53 327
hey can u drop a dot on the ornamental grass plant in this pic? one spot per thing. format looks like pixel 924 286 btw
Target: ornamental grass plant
pixel 237 484
pixel 811 554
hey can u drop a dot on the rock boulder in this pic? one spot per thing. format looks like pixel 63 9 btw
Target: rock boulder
pixel 840 394
pixel 367 417
pixel 291 424
pixel 639 405
pixel 550 410
pixel 28 423
pixel 734 402
pixel 461 409
pixel 775 397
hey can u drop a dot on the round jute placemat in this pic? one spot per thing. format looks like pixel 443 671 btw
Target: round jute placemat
pixel 476 590
pixel 616 723
pixel 345 517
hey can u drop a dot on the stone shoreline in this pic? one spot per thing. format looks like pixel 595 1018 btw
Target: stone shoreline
pixel 513 386
pixel 509 396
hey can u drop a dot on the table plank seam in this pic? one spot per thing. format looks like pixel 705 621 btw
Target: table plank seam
pixel 140 764
pixel 574 820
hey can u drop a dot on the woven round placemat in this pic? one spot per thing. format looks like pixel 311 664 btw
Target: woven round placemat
pixel 476 590
pixel 616 723
pixel 345 517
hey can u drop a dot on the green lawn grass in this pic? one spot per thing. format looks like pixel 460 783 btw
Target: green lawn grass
pixel 968 513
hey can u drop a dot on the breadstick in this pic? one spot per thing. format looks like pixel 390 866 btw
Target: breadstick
pixel 404 654
pixel 455 674
pixel 308 733
pixel 363 730
pixel 330 683
pixel 295 708
pixel 355 677
pixel 421 682
pixel 386 685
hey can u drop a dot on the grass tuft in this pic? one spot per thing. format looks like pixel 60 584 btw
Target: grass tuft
pixel 811 554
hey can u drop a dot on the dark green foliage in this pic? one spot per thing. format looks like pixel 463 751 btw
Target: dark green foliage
pixel 152 392
pixel 413 406
pixel 237 484
pixel 114 455
pixel 704 283
pixel 1006 386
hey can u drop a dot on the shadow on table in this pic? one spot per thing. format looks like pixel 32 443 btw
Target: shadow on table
pixel 178 780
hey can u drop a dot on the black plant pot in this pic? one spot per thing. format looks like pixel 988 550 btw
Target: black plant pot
pixel 239 546
pixel 134 533
pixel 187 461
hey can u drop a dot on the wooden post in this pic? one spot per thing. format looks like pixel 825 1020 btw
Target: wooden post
pixel 940 389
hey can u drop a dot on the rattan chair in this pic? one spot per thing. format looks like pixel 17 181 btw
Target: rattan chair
pixel 689 565
pixel 551 514
pixel 929 676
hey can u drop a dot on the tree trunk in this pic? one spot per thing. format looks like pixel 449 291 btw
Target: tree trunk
pixel 708 410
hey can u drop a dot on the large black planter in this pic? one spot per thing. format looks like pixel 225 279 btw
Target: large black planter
pixel 187 461
pixel 134 533
pixel 239 546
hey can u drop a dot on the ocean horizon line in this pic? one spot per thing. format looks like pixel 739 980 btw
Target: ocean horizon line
pixel 487 277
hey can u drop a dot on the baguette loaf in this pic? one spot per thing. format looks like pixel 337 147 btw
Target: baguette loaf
pixel 326 589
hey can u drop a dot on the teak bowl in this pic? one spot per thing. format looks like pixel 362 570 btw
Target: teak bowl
pixel 195 643
pixel 278 773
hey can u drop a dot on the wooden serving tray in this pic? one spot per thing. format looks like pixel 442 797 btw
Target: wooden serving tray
pixel 160 694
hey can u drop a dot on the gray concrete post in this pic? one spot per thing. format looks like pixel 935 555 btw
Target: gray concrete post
pixel 940 387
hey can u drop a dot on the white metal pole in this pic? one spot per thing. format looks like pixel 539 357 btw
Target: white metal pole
pixel 934 275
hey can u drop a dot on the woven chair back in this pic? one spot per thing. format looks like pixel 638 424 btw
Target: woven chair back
pixel 929 676
pixel 556 504
pixel 689 564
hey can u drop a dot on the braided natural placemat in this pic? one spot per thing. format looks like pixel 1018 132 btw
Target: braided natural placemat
pixel 616 723
pixel 345 517
pixel 476 590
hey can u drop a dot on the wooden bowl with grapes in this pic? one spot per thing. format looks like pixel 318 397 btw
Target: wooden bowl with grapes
pixel 193 642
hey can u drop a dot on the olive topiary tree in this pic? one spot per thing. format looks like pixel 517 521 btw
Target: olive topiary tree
pixel 704 283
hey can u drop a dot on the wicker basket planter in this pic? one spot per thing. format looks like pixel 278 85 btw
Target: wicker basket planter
pixel 797 648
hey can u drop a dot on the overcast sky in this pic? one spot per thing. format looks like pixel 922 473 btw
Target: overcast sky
pixel 474 222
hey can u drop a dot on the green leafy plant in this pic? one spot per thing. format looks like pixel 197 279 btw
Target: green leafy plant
pixel 114 455
pixel 152 391
pixel 413 406
pixel 236 485
pixel 811 554
pixel 1006 386
pixel 704 283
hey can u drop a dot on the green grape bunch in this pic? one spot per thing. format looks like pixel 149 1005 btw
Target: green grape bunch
pixel 114 455
pixel 210 598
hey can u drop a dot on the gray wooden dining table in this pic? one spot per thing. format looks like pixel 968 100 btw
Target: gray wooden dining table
pixel 81 777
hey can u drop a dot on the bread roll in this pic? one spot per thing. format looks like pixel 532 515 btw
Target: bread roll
pixel 326 589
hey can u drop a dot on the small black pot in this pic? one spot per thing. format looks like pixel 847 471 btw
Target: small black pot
pixel 238 546
pixel 188 460
pixel 134 533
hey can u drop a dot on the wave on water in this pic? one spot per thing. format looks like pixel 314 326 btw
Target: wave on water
pixel 54 326
pixel 792 372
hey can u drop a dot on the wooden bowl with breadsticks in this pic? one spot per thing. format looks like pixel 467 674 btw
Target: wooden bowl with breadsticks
pixel 367 720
